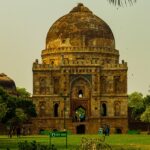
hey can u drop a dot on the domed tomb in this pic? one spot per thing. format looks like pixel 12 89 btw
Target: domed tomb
pixel 79 33
pixel 78 28
pixel 7 84
pixel 80 85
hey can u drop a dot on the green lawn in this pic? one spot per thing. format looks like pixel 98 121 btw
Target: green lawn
pixel 141 141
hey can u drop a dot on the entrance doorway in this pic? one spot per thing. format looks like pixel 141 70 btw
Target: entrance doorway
pixel 118 131
pixel 80 129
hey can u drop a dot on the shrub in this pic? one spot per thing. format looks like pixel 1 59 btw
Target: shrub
pixel 99 144
pixel 34 146
pixel 93 144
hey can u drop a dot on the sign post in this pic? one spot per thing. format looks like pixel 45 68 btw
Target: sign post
pixel 58 134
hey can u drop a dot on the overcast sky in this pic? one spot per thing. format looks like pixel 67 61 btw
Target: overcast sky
pixel 25 23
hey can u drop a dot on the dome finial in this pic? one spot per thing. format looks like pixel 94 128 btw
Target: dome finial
pixel 80 5
pixel 80 8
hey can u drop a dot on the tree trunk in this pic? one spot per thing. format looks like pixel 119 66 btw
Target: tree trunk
pixel 148 128
pixel 11 131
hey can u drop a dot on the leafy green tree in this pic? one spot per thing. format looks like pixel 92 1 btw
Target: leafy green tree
pixel 27 106
pixel 136 103
pixel 3 110
pixel 145 117
pixel 3 95
pixel 15 110
pixel 22 92
pixel 20 111
pixel 135 98
pixel 21 116
pixel 3 106
pixel 147 100
pixel 140 107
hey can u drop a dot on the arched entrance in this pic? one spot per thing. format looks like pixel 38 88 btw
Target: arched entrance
pixel 80 98
pixel 80 129
pixel 118 131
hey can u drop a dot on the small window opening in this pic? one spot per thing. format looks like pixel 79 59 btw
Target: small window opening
pixel 52 63
pixel 56 110
pixel 80 94
pixel 104 110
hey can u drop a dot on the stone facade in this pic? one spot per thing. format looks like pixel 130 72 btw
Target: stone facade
pixel 80 84
pixel 8 84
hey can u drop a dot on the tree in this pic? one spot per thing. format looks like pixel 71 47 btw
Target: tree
pixel 22 92
pixel 20 111
pixel 122 2
pixel 140 107
pixel 136 103
pixel 145 117
pixel 20 115
pixel 147 100
pixel 3 106
pixel 27 106
pixel 3 110
pixel 15 110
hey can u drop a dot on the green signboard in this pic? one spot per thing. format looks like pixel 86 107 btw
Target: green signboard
pixel 55 134
pixel 58 134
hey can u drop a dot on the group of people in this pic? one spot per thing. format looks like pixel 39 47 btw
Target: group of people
pixel 18 131
pixel 105 130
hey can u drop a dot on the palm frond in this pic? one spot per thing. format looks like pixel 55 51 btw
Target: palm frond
pixel 122 2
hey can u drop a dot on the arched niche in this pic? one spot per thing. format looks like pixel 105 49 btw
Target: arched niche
pixel 80 88
pixel 42 85
pixel 42 108
pixel 56 109
pixel 103 109
pixel 117 108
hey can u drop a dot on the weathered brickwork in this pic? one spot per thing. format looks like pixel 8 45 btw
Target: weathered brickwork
pixel 80 84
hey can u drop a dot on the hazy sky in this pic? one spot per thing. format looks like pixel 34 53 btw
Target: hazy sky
pixel 25 23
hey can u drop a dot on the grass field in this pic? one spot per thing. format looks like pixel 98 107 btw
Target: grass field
pixel 138 141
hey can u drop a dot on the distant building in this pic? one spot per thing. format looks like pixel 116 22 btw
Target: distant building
pixel 8 84
pixel 80 84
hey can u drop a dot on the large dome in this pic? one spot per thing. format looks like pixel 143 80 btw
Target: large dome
pixel 8 84
pixel 80 28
